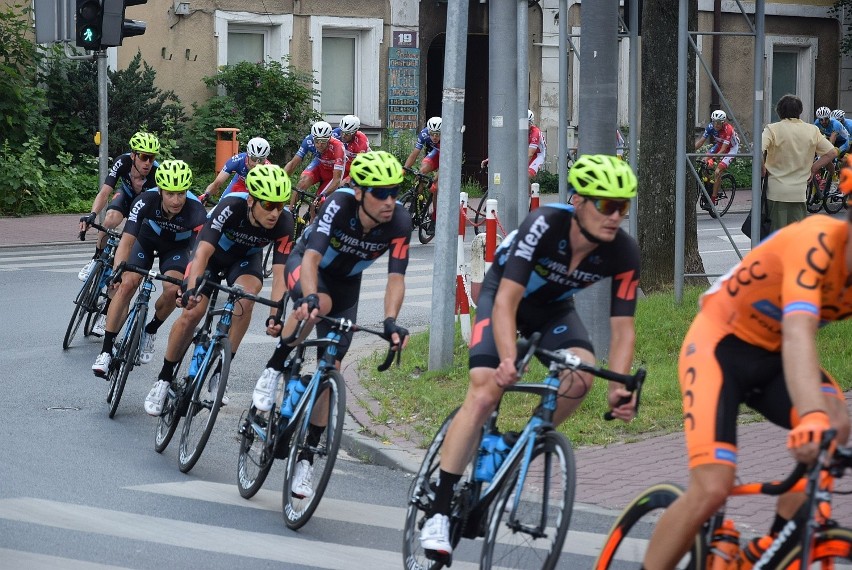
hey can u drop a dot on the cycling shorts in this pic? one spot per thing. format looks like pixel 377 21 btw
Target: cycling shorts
pixel 535 163
pixel 121 203
pixel 343 292
pixel 559 324
pixel 718 371
pixel 237 184
pixel 317 174
pixel 431 162
pixel 173 256
pixel 249 265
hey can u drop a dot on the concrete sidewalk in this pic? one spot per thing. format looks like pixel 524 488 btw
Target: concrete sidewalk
pixel 607 477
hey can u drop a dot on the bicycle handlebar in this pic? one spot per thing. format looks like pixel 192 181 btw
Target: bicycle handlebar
pixel 97 226
pixel 346 325
pixel 567 360
pixel 238 291
pixel 417 174
pixel 152 273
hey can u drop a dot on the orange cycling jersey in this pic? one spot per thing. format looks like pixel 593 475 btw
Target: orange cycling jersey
pixel 801 269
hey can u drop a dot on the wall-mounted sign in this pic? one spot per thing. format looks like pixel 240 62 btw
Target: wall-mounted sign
pixel 404 38
pixel 403 86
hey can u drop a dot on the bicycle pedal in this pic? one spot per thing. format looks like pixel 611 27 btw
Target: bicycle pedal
pixel 436 556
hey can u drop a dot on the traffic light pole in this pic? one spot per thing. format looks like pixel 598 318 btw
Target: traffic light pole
pixel 103 121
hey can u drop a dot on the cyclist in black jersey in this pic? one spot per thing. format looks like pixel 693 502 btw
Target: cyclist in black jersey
pixel 131 173
pixel 557 251
pixel 162 222
pixel 354 227
pixel 231 244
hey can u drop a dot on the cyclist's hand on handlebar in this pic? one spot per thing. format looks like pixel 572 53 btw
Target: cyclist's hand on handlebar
pixel 395 334
pixel 506 373
pixel 307 308
pixel 87 221
pixel 188 298
pixel 804 439
pixel 273 325
pixel 622 404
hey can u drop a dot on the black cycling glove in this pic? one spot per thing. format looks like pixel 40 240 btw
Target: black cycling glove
pixel 391 327
pixel 312 301
pixel 90 219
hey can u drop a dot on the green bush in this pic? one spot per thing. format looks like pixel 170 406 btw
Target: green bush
pixel 548 182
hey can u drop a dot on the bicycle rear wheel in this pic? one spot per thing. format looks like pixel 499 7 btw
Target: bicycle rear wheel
pixel 267 260
pixel 126 358
pixel 528 526
pixel 812 199
pixel 481 214
pixel 627 541
pixel 299 510
pixel 420 498
pixel 201 410
pixel 831 544
pixel 174 407
pixel 256 445
pixel 834 199
pixel 426 231
pixel 86 298
pixel 725 196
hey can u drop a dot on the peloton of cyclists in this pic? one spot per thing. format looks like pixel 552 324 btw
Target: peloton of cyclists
pixel 835 131
pixel 354 141
pixel 162 222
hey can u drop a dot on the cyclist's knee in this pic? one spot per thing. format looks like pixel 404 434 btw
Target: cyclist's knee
pixel 112 219
pixel 709 488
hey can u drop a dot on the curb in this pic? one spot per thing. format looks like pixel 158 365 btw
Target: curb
pixel 39 244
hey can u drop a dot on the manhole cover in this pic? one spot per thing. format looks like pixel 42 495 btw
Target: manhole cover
pixel 64 408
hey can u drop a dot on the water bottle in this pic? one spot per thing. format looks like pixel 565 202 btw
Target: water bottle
pixel 753 550
pixel 197 359
pixel 295 389
pixel 724 547
pixel 493 451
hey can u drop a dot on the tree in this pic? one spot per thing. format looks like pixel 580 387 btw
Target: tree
pixel 658 154
pixel 840 8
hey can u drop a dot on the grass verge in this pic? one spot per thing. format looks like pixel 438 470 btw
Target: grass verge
pixel 418 399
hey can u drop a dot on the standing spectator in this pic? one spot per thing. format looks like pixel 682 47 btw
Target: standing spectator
pixel 789 147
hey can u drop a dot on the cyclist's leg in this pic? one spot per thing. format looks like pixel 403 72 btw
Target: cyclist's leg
pixel 250 278
pixel 431 163
pixel 172 263
pixel 116 211
pixel 721 167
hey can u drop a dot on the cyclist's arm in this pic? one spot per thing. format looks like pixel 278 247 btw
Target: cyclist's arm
pixel 214 187
pixel 102 198
pixel 394 294
pixel 290 167
pixel 308 277
pixel 699 142
pixel 827 156
pixel 334 184
pixel 531 152
pixel 412 157
pixel 279 285
pixel 123 250
pixel 621 345
pixel 203 252
pixel 801 362
pixel 504 318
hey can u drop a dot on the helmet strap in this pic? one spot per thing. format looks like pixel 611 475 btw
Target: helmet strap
pixel 585 232
pixel 361 206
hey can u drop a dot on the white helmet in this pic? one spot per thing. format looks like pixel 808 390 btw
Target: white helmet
pixel 823 113
pixel 350 124
pixel 718 115
pixel 321 130
pixel 433 125
pixel 530 115
pixel 257 148
pixel 838 114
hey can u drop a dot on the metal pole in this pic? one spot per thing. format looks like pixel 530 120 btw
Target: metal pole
pixel 680 166
pixel 633 109
pixel 562 147
pixel 502 109
pixel 598 99
pixel 522 163
pixel 757 123
pixel 103 119
pixel 443 332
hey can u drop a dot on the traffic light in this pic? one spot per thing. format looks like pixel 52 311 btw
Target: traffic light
pixel 115 26
pixel 89 24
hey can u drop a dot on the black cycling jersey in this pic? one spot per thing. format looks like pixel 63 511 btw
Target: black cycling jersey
pixel 346 249
pixel 538 256
pixel 121 171
pixel 228 229
pixel 146 219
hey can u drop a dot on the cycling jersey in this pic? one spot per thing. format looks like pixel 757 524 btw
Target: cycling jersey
pixel 359 143
pixel 347 251
pixel 238 166
pixel 146 219
pixel 721 137
pixel 835 126
pixel 229 230
pixel 536 138
pixel 120 171
pixel 322 167
pixel 424 141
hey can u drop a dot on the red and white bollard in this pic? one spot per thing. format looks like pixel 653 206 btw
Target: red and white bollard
pixel 462 305
pixel 490 233
pixel 480 260
pixel 534 196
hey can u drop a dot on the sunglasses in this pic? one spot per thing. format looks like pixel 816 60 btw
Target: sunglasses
pixel 608 206
pixel 269 206
pixel 144 157
pixel 383 193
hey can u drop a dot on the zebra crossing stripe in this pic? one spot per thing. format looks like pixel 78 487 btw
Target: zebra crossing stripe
pixel 32 561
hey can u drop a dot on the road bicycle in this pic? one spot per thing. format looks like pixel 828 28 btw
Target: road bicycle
pixel 420 203
pixel 823 192
pixel 303 213
pixel 725 195
pixel 125 352
pixel 90 302
pixel 523 509
pixel 265 436
pixel 196 395
pixel 810 537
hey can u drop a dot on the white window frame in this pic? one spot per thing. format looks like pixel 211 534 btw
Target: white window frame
pixel 277 30
pixel 369 35
pixel 807 48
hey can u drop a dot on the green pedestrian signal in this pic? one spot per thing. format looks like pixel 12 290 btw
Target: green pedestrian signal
pixel 89 17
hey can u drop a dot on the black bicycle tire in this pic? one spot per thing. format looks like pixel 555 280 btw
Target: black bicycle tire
pixel 249 488
pixel 267 260
pixel 81 304
pixel 96 311
pixel 728 185
pixel 481 214
pixel 811 203
pixel 548 444
pixel 837 200
pixel 332 380
pixel 129 358
pixel 117 353
pixel 170 418
pixel 222 353
pixel 426 220
pixel 823 536
pixel 420 503
pixel 649 501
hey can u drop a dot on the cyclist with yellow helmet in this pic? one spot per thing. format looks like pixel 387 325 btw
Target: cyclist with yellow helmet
pixel 557 251
pixel 162 222
pixel 352 230
pixel 231 245
pixel 132 173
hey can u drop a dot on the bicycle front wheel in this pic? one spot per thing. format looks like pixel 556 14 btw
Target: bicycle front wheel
pixel 725 196
pixel 426 231
pixel 256 444
pixel 813 200
pixel 174 408
pixel 831 544
pixel 300 501
pixel 82 306
pixel 530 518
pixel 834 199
pixel 127 353
pixel 203 406
pixel 481 214
pixel 627 541
pixel 267 260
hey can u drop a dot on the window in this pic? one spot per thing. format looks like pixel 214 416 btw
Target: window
pixel 345 57
pixel 790 69
pixel 244 36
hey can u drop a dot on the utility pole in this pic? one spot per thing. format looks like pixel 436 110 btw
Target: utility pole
pixel 598 101
pixel 443 331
